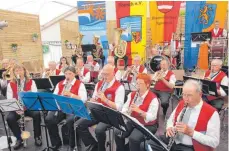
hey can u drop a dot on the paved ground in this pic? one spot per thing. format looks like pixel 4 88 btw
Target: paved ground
pixel 31 147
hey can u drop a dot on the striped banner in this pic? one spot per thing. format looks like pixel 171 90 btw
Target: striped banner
pixel 163 20
pixel 131 16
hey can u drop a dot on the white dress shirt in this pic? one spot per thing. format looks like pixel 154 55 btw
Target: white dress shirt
pixel 86 78
pixel 119 95
pixel 224 32
pixel 224 81
pixel 82 93
pixel 151 113
pixel 9 92
pixel 96 66
pixel 172 79
pixel 209 138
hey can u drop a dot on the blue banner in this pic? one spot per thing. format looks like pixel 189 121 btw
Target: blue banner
pixel 192 24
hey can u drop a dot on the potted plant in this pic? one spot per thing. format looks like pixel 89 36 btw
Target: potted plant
pixel 14 47
pixel 35 36
pixel 67 44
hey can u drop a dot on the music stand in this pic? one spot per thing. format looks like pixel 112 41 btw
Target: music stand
pixel 225 89
pixel 145 131
pixel 107 115
pixel 43 83
pixel 225 69
pixel 56 79
pixel 201 36
pixel 7 106
pixel 40 102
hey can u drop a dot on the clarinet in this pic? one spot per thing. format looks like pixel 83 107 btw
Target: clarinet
pixel 172 139
pixel 133 102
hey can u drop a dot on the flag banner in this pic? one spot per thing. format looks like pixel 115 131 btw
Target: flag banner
pixel 200 17
pixel 131 17
pixel 163 20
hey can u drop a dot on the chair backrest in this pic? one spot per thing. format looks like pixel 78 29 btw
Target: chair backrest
pixel 179 74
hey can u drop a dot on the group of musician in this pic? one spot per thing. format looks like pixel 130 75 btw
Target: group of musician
pixel 197 129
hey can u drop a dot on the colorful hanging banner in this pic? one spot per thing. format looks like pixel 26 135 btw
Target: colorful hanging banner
pixel 200 17
pixel 131 16
pixel 163 20
pixel 92 19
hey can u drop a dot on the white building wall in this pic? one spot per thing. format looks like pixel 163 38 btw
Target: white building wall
pixel 52 33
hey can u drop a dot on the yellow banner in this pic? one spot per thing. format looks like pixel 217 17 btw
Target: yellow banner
pixel 138 8
pixel 157 29
pixel 220 14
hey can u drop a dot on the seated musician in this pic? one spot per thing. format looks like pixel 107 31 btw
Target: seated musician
pixel 110 93
pixel 197 127
pixel 165 82
pixel 142 105
pixel 82 72
pixel 217 31
pixel 94 66
pixel 63 64
pixel 22 82
pixel 51 71
pixel 218 76
pixel 111 52
pixel 3 80
pixel 131 73
pixel 117 72
pixel 70 87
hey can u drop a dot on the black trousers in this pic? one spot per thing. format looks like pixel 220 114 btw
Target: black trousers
pixel 135 137
pixel 125 58
pixel 12 120
pixel 164 97
pixel 87 138
pixel 53 119
pixel 156 147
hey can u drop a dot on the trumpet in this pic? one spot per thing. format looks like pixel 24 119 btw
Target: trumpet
pixel 7 74
pixel 158 75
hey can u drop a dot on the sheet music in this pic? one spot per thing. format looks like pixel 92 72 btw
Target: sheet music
pixel 10 105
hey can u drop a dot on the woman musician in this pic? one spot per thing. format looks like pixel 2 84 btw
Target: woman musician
pixel 142 105
pixel 21 82
pixel 63 64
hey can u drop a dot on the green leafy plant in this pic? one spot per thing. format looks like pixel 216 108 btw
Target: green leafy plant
pixel 35 35
pixel 13 45
pixel 66 41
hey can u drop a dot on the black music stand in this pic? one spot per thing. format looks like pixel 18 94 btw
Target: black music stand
pixel 56 79
pixel 145 131
pixel 225 69
pixel 108 116
pixel 43 83
pixel 40 102
pixel 7 106
pixel 201 36
pixel 225 89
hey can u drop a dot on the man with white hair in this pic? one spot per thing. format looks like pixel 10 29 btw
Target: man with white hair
pixel 117 72
pixel 218 76
pixel 51 70
pixel 93 64
pixel 131 73
pixel 196 123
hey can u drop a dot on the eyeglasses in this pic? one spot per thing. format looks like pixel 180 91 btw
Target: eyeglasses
pixel 187 95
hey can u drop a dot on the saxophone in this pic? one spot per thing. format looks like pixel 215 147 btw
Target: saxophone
pixel 121 45
pixel 78 49
pixel 24 134
pixel 172 139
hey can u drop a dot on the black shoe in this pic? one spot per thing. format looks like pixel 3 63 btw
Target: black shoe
pixel 38 141
pixel 19 144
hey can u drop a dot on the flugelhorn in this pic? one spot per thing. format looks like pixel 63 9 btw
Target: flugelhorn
pixel 158 75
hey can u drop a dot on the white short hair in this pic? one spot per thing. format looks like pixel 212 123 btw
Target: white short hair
pixel 197 84
pixel 218 61
pixel 137 57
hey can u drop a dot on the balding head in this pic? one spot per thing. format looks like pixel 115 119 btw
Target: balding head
pixel 108 73
pixel 164 64
pixel 89 58
pixel 137 60
pixel 216 65
pixel 52 65
pixel 5 63
pixel 110 60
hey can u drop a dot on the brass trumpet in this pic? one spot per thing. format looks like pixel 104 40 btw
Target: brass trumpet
pixel 7 74
pixel 158 75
